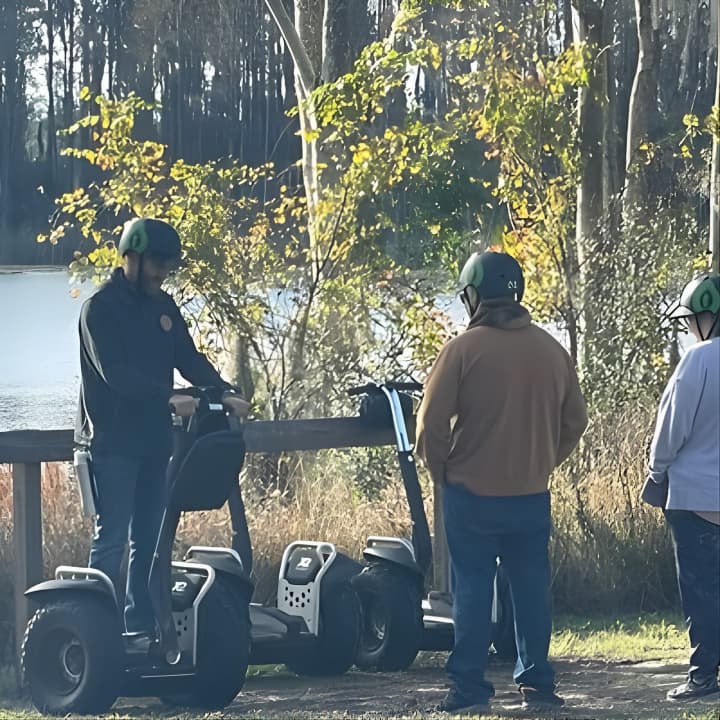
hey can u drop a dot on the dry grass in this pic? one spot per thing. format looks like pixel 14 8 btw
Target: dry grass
pixel 610 553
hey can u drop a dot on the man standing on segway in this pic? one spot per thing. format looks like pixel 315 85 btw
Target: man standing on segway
pixel 502 408
pixel 132 338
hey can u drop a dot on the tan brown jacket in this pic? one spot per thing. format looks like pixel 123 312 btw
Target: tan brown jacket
pixel 502 405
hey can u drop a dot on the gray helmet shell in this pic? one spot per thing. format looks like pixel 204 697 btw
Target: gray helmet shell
pixel 148 236
pixel 493 275
pixel 700 295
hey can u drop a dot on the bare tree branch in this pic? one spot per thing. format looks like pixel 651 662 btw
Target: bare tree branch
pixel 303 66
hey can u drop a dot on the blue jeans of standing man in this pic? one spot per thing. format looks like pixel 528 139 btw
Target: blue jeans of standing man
pixel 130 498
pixel 697 560
pixel 516 530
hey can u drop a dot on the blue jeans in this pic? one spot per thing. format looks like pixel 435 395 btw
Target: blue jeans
pixel 479 531
pixel 130 498
pixel 697 561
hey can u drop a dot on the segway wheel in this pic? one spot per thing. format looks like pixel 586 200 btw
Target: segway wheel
pixel 503 631
pixel 339 637
pixel 392 618
pixel 223 649
pixel 71 657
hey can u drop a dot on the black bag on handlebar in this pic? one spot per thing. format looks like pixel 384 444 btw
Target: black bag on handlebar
pixel 375 410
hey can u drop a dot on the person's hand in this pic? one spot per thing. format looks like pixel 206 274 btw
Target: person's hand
pixel 183 405
pixel 655 490
pixel 236 404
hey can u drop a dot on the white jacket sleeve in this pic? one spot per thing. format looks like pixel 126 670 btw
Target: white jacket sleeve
pixel 676 415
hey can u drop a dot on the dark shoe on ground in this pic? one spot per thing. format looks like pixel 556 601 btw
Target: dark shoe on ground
pixel 690 690
pixel 540 698
pixel 459 704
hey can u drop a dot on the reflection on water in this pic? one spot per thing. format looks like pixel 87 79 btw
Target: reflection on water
pixel 39 366
pixel 39 363
pixel 50 407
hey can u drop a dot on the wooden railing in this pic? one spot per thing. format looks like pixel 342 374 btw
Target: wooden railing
pixel 27 450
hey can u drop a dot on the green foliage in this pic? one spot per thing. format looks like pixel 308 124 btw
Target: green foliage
pixel 496 164
pixel 309 323
pixel 641 266
pixel 490 156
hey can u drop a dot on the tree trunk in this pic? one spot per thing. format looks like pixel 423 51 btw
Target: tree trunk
pixel 687 82
pixel 591 111
pixel 68 36
pixel 318 42
pixel 611 169
pixel 306 51
pixel 82 170
pixel 567 18
pixel 335 40
pixel 592 118
pixel 51 126
pixel 643 110
pixel 622 80
pixel 715 165
pixel 9 111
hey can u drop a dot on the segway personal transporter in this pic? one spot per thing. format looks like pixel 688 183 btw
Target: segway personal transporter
pixel 314 624
pixel 76 657
pixel 400 617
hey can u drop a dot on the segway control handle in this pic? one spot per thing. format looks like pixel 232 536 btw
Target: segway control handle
pixel 376 388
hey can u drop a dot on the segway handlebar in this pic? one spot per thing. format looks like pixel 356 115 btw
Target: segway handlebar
pixel 213 399
pixel 376 387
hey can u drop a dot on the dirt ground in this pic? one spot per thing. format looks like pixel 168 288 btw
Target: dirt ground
pixel 593 691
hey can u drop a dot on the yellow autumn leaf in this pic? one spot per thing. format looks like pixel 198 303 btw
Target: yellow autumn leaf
pixel 362 155
pixel 435 56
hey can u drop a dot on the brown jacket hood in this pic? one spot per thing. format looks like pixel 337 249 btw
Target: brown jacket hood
pixel 500 313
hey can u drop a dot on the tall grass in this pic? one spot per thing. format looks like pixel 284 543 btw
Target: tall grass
pixel 609 552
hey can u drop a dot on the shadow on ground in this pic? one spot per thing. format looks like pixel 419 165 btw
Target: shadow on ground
pixel 593 690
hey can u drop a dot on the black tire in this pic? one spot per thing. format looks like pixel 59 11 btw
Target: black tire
pixel 72 657
pixel 223 648
pixel 503 631
pixel 337 643
pixel 392 617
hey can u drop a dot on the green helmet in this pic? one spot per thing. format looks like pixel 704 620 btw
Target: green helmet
pixel 699 296
pixel 493 275
pixel 147 236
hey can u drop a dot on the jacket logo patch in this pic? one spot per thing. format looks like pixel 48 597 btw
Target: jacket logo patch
pixel 166 323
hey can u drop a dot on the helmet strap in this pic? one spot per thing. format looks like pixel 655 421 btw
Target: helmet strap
pixel 139 279
pixel 467 299
pixel 713 327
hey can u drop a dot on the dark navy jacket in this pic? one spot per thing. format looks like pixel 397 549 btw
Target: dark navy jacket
pixel 130 344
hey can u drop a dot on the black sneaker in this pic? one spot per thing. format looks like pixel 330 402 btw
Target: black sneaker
pixel 690 690
pixel 540 698
pixel 455 702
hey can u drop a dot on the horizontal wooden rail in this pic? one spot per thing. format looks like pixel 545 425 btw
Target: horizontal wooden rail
pixel 261 436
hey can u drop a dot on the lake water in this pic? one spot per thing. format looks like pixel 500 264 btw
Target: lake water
pixel 39 353
pixel 39 366
pixel 39 348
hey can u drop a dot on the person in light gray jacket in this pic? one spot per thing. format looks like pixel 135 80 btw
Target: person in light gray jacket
pixel 685 459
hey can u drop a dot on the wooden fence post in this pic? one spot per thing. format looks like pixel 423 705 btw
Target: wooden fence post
pixel 27 532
